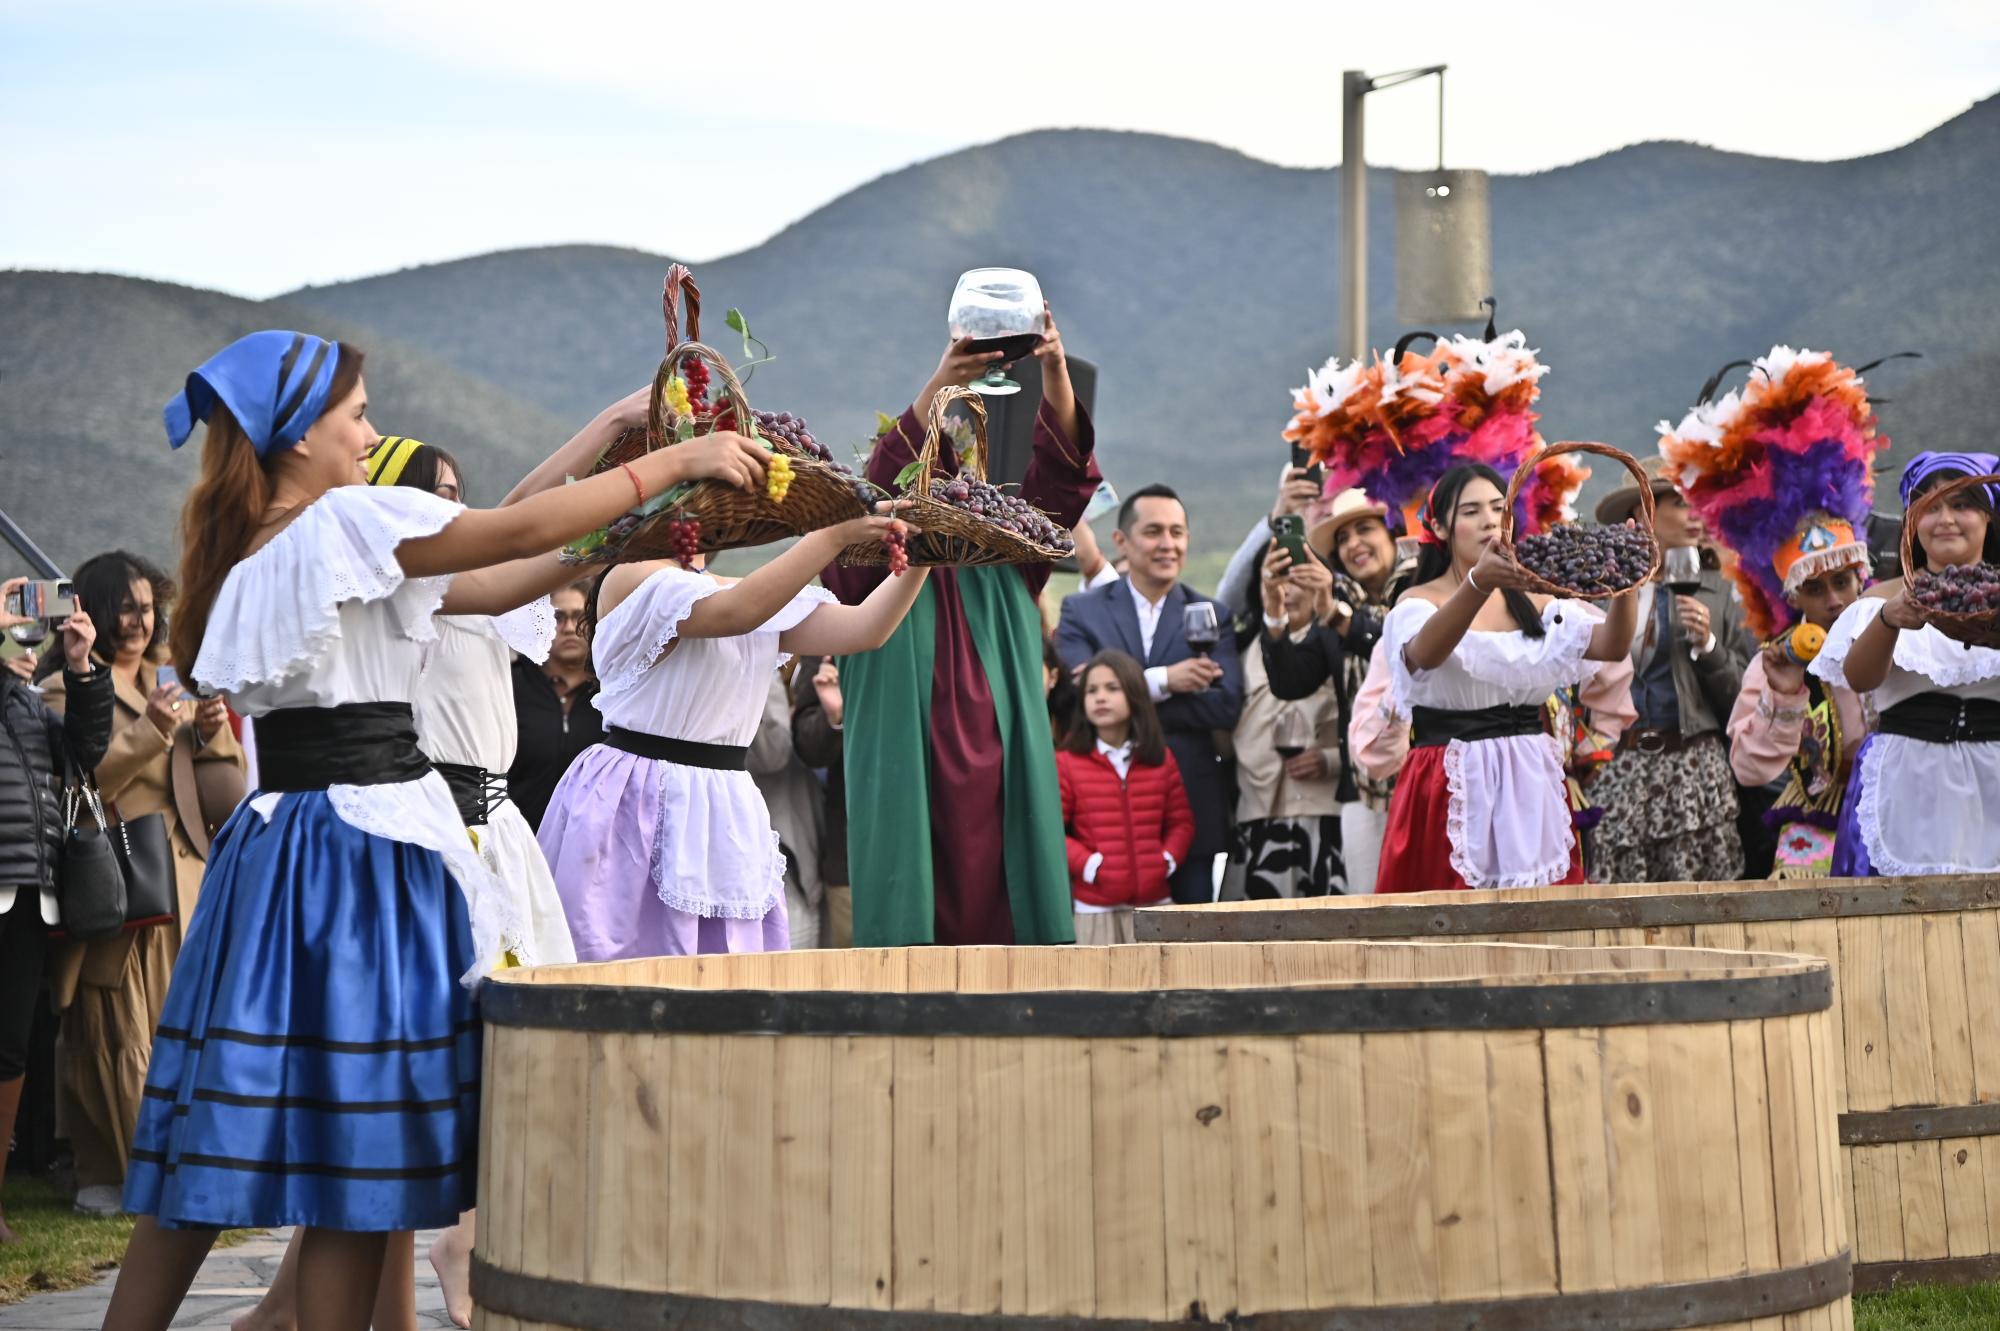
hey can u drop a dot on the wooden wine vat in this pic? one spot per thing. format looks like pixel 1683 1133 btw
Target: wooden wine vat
pixel 1916 1016
pixel 1272 1136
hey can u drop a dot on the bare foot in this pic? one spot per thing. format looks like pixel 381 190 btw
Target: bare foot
pixel 451 1258
pixel 263 1317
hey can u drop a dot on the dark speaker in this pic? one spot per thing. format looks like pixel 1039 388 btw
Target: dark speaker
pixel 1010 420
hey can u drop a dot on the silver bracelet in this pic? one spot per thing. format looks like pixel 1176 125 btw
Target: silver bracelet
pixel 1473 584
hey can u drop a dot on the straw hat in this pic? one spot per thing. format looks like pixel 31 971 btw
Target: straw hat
pixel 1619 505
pixel 1323 527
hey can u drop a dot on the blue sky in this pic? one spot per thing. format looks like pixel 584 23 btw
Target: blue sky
pixel 256 147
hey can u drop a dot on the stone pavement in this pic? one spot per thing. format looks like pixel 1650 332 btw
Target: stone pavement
pixel 230 1283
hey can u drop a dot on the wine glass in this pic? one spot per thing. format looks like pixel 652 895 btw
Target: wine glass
pixel 1000 309
pixel 1292 733
pixel 1198 623
pixel 1680 569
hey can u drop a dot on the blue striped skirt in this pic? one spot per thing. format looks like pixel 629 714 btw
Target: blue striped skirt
pixel 317 1061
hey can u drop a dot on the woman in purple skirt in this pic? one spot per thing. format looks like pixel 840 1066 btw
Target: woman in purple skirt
pixel 659 840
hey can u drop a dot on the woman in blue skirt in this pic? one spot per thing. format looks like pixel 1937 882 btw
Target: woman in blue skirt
pixel 317 1061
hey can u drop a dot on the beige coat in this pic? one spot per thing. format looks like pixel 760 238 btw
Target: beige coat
pixel 137 776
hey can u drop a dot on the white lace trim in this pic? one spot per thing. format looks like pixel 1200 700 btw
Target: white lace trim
pixel 528 629
pixel 704 907
pixel 672 601
pixel 1943 661
pixel 278 614
pixel 1457 822
pixel 1868 815
pixel 1508 660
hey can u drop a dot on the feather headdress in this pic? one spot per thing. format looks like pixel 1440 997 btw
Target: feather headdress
pixel 1782 473
pixel 1392 428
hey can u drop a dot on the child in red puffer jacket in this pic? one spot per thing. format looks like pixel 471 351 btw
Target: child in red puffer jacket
pixel 1125 811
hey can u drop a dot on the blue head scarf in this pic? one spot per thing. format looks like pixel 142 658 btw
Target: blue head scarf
pixel 1926 465
pixel 274 383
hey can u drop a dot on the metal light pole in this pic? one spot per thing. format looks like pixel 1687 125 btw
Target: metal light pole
pixel 1355 87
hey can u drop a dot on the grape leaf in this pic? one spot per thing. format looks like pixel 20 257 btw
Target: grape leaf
pixel 910 475
pixel 683 432
pixel 755 353
pixel 884 422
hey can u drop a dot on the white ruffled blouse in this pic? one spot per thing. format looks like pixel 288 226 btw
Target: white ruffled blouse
pixel 465 714
pixel 713 854
pixel 1507 814
pixel 322 615
pixel 1924 808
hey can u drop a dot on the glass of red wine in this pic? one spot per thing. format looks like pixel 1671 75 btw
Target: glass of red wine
pixel 1680 569
pixel 1291 734
pixel 1198 623
pixel 1000 309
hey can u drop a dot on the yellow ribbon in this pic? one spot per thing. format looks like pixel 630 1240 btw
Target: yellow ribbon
pixel 386 463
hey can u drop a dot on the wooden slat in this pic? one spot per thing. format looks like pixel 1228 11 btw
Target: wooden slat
pixel 1128 1198
pixel 1195 1157
pixel 608 1149
pixel 1462 1163
pixel 1578 1148
pixel 1795 1188
pixel 1627 1103
pixel 695 1182
pixel 1403 1226
pixel 1754 1145
pixel 862 1129
pixel 1338 1244
pixel 803 1170
pixel 981 1162
pixel 1269 1208
pixel 1912 1070
pixel 919 1164
pixel 645 1231
pixel 1681 1092
pixel 1061 1250
pixel 1524 1215
pixel 745 1115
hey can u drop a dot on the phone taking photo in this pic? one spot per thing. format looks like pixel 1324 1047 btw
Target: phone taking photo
pixel 1315 472
pixel 49 600
pixel 168 676
pixel 1289 530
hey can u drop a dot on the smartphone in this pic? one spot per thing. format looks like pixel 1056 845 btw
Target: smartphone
pixel 1302 458
pixel 168 675
pixel 1290 531
pixel 48 600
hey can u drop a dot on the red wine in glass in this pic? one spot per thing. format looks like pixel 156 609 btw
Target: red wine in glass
pixel 1013 347
pixel 1290 751
pixel 1203 640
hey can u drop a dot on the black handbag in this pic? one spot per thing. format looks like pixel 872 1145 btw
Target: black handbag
pixel 90 881
pixel 145 850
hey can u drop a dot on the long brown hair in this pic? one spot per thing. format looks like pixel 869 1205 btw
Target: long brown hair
pixel 1149 742
pixel 224 510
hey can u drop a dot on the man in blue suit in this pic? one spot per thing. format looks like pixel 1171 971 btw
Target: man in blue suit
pixel 1142 614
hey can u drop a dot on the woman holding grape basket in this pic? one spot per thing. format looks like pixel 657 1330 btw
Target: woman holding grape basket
pixel 1474 655
pixel 1922 649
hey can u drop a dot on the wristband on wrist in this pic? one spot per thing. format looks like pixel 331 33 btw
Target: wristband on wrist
pixel 637 488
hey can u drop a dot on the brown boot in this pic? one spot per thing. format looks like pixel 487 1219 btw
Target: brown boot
pixel 10 1101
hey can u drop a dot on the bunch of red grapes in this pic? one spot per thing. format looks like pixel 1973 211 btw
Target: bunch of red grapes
pixel 684 535
pixel 897 540
pixel 1590 561
pixel 694 370
pixel 1007 511
pixel 1957 589
pixel 777 426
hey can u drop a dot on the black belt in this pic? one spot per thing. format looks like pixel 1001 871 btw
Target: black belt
pixel 1439 725
pixel 354 744
pixel 686 752
pixel 1940 718
pixel 476 791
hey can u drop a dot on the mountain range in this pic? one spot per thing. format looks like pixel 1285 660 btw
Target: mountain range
pixel 1202 283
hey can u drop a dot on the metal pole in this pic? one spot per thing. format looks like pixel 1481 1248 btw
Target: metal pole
pixel 1355 86
pixel 24 545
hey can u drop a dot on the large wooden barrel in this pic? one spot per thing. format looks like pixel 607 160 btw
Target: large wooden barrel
pixel 1369 1136
pixel 1916 1018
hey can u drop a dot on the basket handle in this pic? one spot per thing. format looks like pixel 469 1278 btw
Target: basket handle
pixel 1928 500
pixel 660 417
pixel 934 432
pixel 679 287
pixel 1617 455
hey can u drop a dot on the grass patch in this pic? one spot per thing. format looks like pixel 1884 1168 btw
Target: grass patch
pixel 1930 1308
pixel 60 1249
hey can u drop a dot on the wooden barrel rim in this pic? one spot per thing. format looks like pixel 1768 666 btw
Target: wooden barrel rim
pixel 1694 1303
pixel 1387 919
pixel 1636 1000
pixel 1879 1127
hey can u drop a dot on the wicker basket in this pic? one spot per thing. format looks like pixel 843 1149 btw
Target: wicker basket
pixel 943 534
pixel 820 495
pixel 1537 583
pixel 1974 630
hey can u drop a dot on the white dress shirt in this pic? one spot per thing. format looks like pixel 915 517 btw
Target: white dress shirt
pixel 1149 624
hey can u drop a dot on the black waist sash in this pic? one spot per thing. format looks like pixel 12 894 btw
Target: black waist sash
pixel 475 790
pixel 686 752
pixel 1437 725
pixel 354 744
pixel 1941 718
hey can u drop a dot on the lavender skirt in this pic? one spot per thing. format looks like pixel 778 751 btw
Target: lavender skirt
pixel 605 843
pixel 1850 850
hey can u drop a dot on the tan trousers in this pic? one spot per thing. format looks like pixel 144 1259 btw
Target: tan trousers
pixel 107 1036
pixel 840 917
pixel 1104 928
